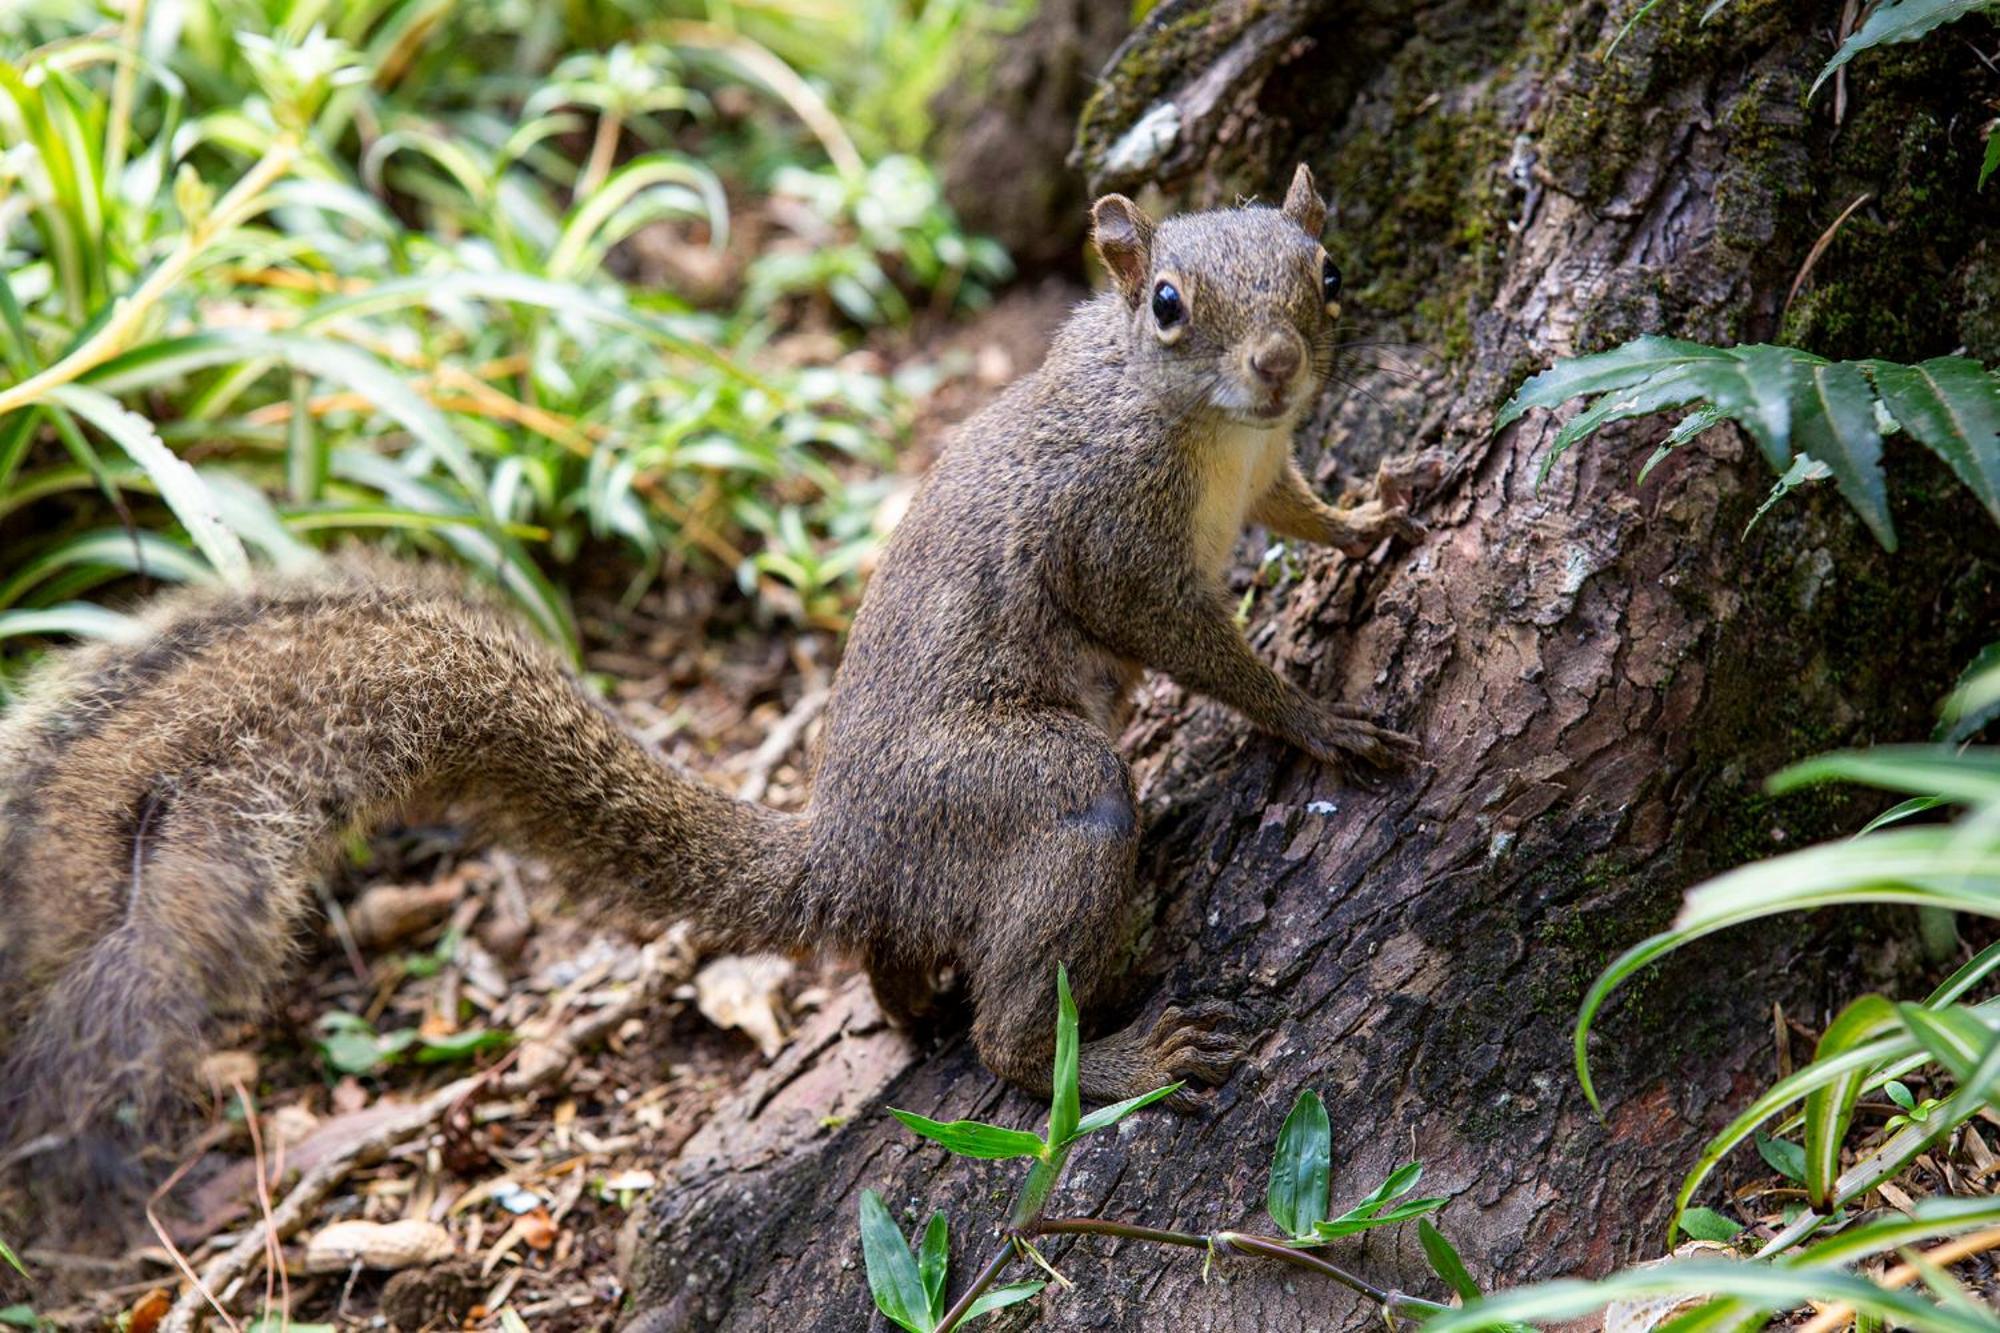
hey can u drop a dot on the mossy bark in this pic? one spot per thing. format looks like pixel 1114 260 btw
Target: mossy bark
pixel 1602 673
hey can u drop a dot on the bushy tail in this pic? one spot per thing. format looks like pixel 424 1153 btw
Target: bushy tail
pixel 167 805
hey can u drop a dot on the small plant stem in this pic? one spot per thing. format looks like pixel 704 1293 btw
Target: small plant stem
pixel 603 150
pixel 1395 1302
pixel 1092 1226
pixel 1035 1191
pixel 123 84
pixel 979 1284
pixel 128 312
pixel 1269 1247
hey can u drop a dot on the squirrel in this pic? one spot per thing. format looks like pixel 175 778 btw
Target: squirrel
pixel 166 805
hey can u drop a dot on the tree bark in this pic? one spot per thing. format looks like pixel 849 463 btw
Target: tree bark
pixel 1602 673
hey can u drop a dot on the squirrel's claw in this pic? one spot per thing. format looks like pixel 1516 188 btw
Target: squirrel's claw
pixel 1200 1043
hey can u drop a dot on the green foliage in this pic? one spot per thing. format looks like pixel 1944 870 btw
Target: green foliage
pixel 350 1044
pixel 1871 1044
pixel 1889 22
pixel 1810 417
pixel 1300 1171
pixel 909 1288
pixel 416 332
pixel 11 1259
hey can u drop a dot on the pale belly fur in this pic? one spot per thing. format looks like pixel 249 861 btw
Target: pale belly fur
pixel 1237 466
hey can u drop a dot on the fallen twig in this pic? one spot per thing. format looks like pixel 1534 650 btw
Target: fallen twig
pixel 540 1064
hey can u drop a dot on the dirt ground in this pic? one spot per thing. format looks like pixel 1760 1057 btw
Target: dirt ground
pixel 448 976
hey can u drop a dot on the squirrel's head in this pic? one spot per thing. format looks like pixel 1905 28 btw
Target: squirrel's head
pixel 1236 308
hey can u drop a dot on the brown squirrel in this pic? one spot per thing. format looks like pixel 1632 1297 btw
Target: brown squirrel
pixel 167 805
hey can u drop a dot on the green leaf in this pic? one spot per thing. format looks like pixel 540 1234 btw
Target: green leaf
pixel 999 1298
pixel 1830 1110
pixel 973 1138
pixel 1992 160
pixel 1106 1116
pixel 1065 1110
pixel 1901 811
pixel 13 1260
pixel 1707 1224
pixel 933 1257
pixel 182 490
pixel 1788 1159
pixel 1900 1095
pixel 1975 700
pixel 1762 1287
pixel 893 1278
pixel 1970 777
pixel 19 1316
pixel 461 1045
pixel 1833 420
pixel 1897 21
pixel 1954 1036
pixel 1804 470
pixel 1356 1220
pixel 1445 1262
pixel 1621 367
pixel 1951 405
pixel 1300 1167
pixel 80 619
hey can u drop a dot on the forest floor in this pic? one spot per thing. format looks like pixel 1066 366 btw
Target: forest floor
pixel 422 1055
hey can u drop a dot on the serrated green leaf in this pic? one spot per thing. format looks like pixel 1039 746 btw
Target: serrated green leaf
pixel 973 1138
pixel 1829 1110
pixel 1707 1224
pixel 1300 1167
pixel 1951 405
pixel 1897 21
pixel 1833 420
pixel 1600 372
pixel 1444 1261
pixel 893 1278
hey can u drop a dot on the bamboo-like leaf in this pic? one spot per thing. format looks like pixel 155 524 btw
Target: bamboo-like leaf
pixel 933 1257
pixel 893 1278
pixel 1951 405
pixel 1106 1116
pixel 1065 1109
pixel 1445 1262
pixel 1975 700
pixel 1830 1109
pixel 999 1298
pixel 183 491
pixel 1300 1168
pixel 1954 1036
pixel 973 1138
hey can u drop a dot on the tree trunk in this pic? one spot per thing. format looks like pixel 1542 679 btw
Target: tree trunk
pixel 1601 672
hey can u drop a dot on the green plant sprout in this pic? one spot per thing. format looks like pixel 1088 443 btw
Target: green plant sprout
pixel 909 1288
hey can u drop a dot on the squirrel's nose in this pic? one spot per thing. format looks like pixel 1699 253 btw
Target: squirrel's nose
pixel 1276 359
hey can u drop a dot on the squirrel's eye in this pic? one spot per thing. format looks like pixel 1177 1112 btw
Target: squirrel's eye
pixel 1329 280
pixel 1168 309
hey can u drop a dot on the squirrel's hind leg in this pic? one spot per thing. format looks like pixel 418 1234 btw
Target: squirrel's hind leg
pixel 1066 896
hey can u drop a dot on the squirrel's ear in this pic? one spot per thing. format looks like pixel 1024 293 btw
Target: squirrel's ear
pixel 1303 204
pixel 1123 236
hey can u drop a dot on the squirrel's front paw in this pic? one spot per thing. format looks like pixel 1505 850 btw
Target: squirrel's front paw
pixel 1345 732
pixel 1366 525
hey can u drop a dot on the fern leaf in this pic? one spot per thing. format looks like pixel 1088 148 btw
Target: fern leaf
pixel 1619 368
pixel 1898 21
pixel 1952 406
pixel 1834 423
